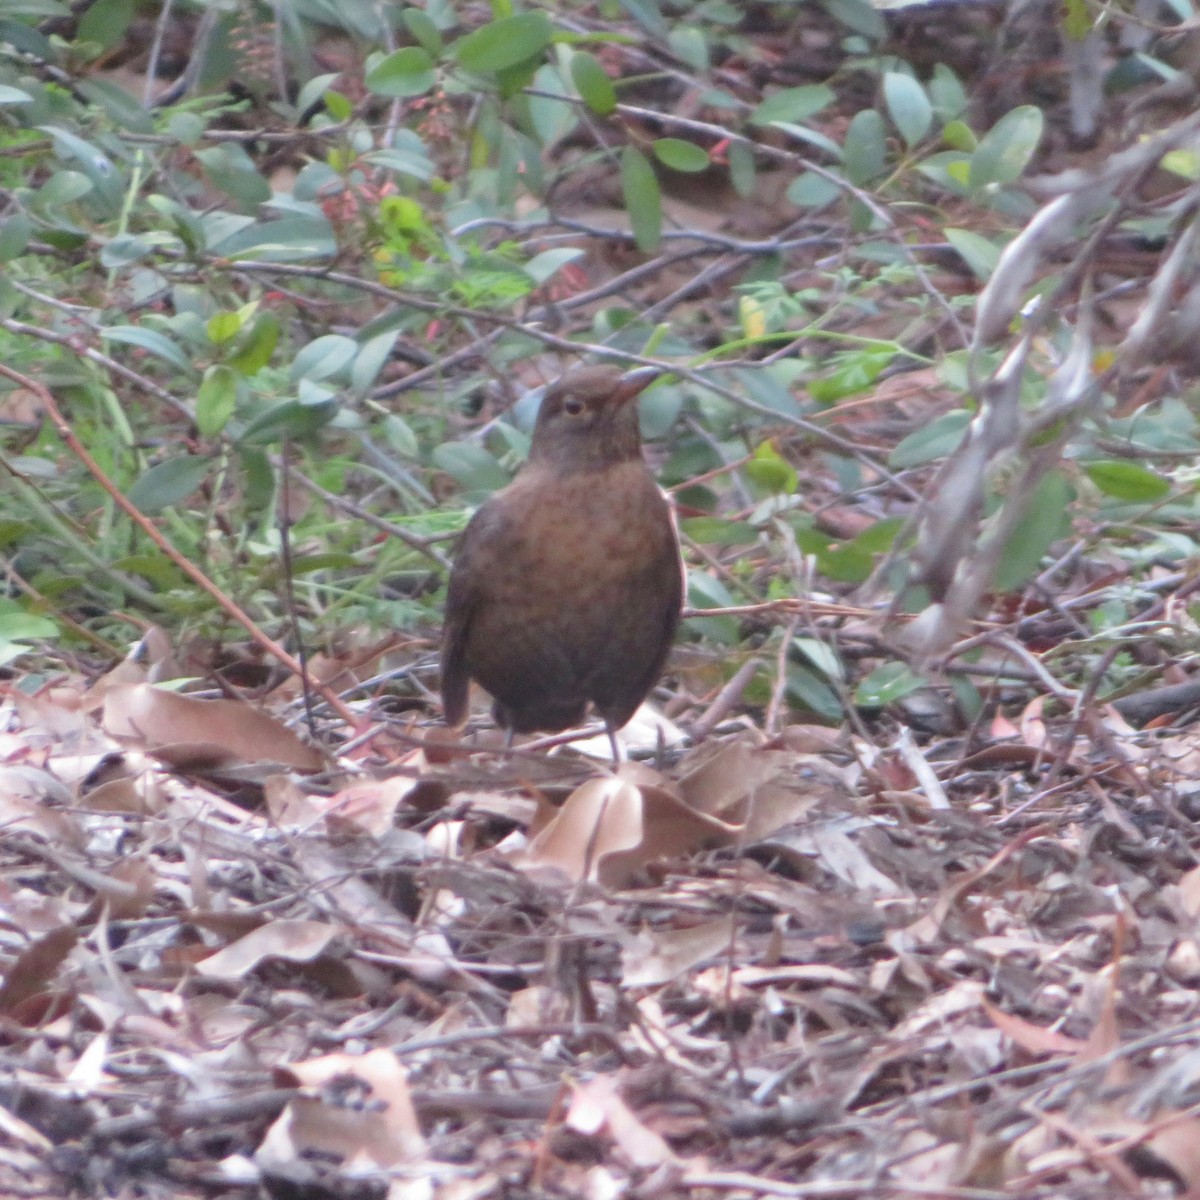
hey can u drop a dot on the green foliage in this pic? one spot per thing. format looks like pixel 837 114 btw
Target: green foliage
pixel 362 273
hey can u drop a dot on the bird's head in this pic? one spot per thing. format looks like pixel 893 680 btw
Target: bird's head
pixel 588 418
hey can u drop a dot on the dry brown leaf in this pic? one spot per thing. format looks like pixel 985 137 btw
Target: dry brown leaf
pixel 363 808
pixel 1175 1139
pixel 600 817
pixel 597 1107
pixel 1189 892
pixel 1034 1039
pixel 1033 726
pixel 207 732
pixel 294 941
pixel 55 827
pixel 811 973
pixel 353 1110
pixel 830 843
pixel 127 889
pixel 925 928
pixel 654 957
pixel 36 965
pixel 609 829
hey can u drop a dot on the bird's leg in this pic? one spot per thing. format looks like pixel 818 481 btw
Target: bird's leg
pixel 612 741
pixel 509 734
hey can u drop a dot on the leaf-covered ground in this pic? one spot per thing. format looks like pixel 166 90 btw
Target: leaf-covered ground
pixel 898 893
pixel 821 964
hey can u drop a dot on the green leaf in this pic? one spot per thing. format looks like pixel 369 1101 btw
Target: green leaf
pixel 542 267
pixel 855 372
pixel 552 119
pixel 314 89
pixel 793 104
pixel 865 148
pixel 407 154
pixel 977 252
pixel 151 341
pixel 947 93
pixel 337 105
pixel 648 14
pixel 258 481
pixel 813 138
pixel 809 690
pixel 935 440
pixel 887 684
pixel 1125 480
pixel 742 171
pixel 167 483
pixel 216 399
pixel 680 155
pixel 223 327
pixel 255 352
pixel 593 84
pixel 643 201
pixel 949 169
pixel 324 357
pixel 95 164
pixel 503 43
pixel 706 591
pixel 1077 22
pixel 845 562
pixel 960 136
pixel 771 471
pixel 1046 519
pixel 470 466
pixel 406 72
pixel 105 22
pixel 124 250
pixel 690 46
pixel 15 232
pixel 857 15
pixel 400 436
pixel 232 170
pixel 120 107
pixel 291 418
pixel 424 30
pixel 810 190
pixel 907 105
pixel 370 360
pixel 1005 150
pixel 17 625
pixel 717 531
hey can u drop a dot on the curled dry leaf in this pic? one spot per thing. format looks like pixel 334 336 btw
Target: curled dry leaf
pixel 34 968
pixel 126 889
pixel 352 1109
pixel 20 813
pixel 1034 1039
pixel 609 829
pixel 758 789
pixel 363 808
pixel 187 731
pixel 294 941
pixel 653 958
pixel 596 1107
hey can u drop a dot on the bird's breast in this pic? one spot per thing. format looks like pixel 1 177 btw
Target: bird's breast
pixel 589 528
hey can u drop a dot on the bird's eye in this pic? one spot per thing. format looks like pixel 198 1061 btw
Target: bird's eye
pixel 573 406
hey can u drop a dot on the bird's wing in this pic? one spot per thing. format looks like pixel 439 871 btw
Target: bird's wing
pixel 463 596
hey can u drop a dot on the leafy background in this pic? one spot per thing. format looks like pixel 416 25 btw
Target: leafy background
pixel 279 286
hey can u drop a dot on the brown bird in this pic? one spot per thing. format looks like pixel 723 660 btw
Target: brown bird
pixel 567 584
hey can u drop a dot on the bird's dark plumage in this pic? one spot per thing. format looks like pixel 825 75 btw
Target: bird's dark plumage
pixel 567 584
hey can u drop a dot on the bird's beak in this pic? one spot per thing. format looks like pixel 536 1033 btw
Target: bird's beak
pixel 633 383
